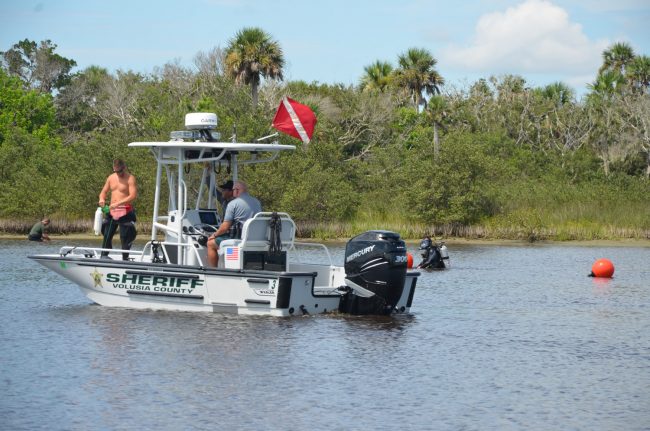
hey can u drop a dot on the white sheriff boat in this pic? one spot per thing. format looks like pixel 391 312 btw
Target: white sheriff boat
pixel 257 273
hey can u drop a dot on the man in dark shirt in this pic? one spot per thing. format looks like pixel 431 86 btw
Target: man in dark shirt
pixel 226 196
pixel 39 231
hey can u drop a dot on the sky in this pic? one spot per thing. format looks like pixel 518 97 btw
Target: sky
pixel 331 41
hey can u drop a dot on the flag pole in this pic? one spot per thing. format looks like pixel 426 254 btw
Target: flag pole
pixel 268 136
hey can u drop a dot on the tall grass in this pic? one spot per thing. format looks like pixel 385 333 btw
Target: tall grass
pixel 60 226
pixel 527 228
pixel 531 211
pixel 575 212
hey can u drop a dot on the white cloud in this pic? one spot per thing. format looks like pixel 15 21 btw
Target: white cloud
pixel 535 36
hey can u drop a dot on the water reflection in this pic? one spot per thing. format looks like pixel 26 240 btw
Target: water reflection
pixel 399 322
pixel 602 286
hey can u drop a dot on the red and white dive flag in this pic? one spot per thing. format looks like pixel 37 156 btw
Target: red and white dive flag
pixel 295 119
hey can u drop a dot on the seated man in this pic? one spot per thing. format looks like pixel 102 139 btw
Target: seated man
pixel 240 209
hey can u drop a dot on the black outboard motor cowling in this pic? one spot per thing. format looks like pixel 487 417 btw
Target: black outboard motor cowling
pixel 376 261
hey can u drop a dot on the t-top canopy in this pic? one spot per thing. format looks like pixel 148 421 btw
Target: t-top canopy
pixel 228 146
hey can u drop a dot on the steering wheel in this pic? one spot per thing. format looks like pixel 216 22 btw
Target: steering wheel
pixel 205 229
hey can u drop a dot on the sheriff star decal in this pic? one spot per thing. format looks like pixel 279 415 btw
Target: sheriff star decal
pixel 97 278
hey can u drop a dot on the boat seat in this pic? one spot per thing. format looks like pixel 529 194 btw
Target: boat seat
pixel 256 234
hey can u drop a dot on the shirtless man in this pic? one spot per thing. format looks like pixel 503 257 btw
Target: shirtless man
pixel 124 191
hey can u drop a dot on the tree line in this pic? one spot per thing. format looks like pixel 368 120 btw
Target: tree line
pixel 401 148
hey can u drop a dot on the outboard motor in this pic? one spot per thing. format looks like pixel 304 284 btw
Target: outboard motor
pixel 375 268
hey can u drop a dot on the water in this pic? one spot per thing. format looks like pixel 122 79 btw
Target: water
pixel 511 337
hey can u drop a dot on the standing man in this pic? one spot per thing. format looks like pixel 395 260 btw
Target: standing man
pixel 39 231
pixel 240 209
pixel 124 190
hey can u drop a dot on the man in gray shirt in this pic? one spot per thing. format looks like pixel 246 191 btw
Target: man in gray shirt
pixel 240 209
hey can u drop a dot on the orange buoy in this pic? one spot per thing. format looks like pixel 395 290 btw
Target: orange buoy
pixel 602 268
pixel 409 260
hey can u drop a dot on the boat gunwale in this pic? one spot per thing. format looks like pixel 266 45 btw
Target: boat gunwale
pixel 180 270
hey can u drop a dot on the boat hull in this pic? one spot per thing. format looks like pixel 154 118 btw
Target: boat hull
pixel 145 285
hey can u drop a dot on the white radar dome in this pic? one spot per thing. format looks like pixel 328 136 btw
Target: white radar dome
pixel 200 120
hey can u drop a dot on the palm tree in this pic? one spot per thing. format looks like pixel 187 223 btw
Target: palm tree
pixel 617 57
pixel 558 92
pixel 252 55
pixel 638 73
pixel 436 112
pixel 607 83
pixel 377 76
pixel 416 73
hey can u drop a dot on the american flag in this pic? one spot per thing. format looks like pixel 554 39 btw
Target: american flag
pixel 232 253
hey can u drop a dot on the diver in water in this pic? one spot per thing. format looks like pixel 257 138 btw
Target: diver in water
pixel 433 254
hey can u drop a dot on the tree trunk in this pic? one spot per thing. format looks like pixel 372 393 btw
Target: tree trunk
pixel 254 94
pixel 436 141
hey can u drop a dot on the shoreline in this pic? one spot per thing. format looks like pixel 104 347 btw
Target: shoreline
pixel 622 242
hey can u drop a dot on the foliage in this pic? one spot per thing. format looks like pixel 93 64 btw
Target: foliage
pixel 498 158
pixel 311 185
pixel 25 111
pixel 453 188
pixel 638 73
pixel 37 66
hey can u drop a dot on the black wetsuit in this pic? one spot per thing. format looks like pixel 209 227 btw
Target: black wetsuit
pixel 431 258
pixel 128 233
